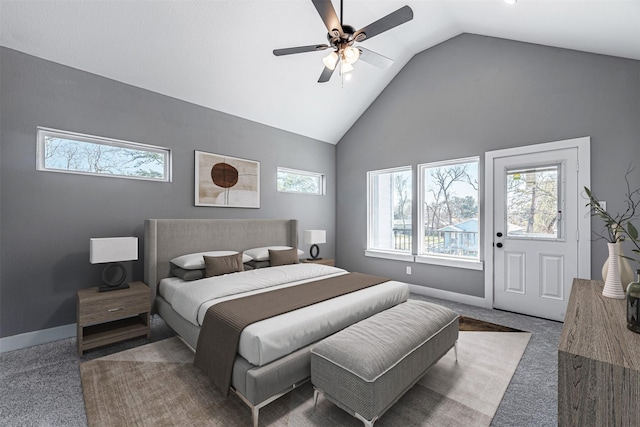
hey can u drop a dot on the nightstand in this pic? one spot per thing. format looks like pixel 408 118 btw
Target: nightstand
pixel 324 261
pixel 109 317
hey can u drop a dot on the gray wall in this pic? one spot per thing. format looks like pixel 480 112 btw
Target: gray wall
pixel 473 94
pixel 48 218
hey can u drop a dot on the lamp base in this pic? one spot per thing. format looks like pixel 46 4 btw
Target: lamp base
pixel 113 288
pixel 314 251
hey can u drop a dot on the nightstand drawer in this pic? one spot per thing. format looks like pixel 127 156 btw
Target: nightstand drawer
pixel 111 309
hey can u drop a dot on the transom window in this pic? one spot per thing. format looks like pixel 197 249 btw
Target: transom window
pixel 297 181
pixel 69 152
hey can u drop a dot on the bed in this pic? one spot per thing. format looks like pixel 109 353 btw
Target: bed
pixel 264 373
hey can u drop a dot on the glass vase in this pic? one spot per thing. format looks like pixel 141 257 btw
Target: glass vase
pixel 633 304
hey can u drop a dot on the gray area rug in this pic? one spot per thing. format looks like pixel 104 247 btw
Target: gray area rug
pixel 157 384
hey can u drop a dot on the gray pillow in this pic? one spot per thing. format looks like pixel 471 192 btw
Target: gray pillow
pixel 219 265
pixel 283 257
pixel 256 264
pixel 187 275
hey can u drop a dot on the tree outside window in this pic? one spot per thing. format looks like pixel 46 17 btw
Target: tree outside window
pixel 295 181
pixel 449 208
pixel 61 151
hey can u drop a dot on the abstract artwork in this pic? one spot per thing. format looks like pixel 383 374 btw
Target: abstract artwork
pixel 226 181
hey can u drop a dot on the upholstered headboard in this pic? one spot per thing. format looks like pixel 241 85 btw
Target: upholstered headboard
pixel 165 239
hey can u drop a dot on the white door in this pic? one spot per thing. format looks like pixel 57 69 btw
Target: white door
pixel 535 231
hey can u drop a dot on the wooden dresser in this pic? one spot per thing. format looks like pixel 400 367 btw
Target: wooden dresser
pixel 598 361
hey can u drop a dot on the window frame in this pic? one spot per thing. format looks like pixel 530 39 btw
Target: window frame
pixel 446 260
pixel 322 185
pixel 42 133
pixel 399 255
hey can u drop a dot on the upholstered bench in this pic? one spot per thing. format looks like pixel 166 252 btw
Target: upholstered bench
pixel 367 367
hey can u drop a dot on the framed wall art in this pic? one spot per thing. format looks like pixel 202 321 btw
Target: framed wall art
pixel 225 181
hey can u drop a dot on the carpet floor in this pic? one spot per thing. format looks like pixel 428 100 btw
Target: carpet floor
pixel 157 384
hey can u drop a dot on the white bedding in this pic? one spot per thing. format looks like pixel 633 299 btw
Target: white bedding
pixel 270 339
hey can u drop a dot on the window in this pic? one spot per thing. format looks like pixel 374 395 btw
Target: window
pixel 449 216
pixel 534 203
pixel 295 181
pixel 389 212
pixel 61 151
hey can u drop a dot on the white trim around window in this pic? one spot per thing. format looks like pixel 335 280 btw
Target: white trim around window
pixel 318 178
pixel 423 257
pixel 468 263
pixel 81 154
pixel 372 213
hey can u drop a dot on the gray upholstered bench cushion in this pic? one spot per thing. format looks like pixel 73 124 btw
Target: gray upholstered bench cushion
pixel 368 366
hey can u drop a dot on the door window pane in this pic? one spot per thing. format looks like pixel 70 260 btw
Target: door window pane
pixel 532 199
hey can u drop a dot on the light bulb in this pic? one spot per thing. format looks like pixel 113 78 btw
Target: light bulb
pixel 351 54
pixel 345 67
pixel 347 77
pixel 330 60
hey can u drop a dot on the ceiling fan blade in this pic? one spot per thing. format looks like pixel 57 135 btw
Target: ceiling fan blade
pixel 299 49
pixel 374 58
pixel 327 73
pixel 400 16
pixel 329 17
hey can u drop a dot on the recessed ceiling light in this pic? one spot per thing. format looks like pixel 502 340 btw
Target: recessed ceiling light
pixel 510 1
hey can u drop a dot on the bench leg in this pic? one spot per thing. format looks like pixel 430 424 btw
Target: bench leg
pixel 367 423
pixel 455 349
pixel 316 393
pixel 255 411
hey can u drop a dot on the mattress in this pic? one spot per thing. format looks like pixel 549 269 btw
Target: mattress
pixel 270 339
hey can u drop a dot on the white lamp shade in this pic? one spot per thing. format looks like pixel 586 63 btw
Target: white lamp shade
pixel 330 60
pixel 113 249
pixel 351 55
pixel 313 237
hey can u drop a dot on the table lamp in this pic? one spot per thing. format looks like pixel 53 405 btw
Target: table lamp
pixel 113 250
pixel 313 237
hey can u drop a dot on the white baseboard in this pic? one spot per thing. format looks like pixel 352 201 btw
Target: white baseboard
pixel 28 339
pixel 450 296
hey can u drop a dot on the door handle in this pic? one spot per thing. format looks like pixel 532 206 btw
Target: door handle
pixel 499 245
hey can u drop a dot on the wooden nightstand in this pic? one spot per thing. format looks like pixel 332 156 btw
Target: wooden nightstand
pixel 324 261
pixel 109 317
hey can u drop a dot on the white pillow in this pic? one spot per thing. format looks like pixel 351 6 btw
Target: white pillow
pixel 196 261
pixel 262 254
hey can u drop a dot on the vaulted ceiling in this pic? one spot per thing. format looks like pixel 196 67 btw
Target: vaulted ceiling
pixel 218 54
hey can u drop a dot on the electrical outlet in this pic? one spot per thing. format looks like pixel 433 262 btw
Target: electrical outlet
pixel 603 204
pixel 408 270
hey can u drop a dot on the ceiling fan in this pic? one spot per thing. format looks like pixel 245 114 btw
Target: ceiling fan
pixel 342 37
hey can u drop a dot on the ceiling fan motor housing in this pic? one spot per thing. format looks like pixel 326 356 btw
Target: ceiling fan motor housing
pixel 347 38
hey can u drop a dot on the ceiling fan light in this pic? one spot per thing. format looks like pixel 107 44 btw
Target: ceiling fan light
pixel 330 60
pixel 345 68
pixel 351 54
